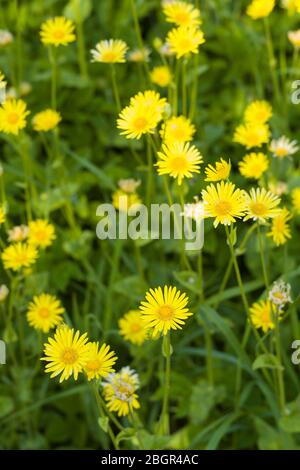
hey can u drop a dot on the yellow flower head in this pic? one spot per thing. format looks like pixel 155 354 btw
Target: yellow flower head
pixel 258 112
pixel 181 13
pixel 41 233
pixel 177 128
pixel 185 40
pixel 123 200
pixel 254 165
pixel 283 147
pixel 179 160
pixel 252 135
pixel 120 391
pixel 262 313
pixel 224 202
pixel 132 327
pixel 161 76
pixel 66 354
pixel 19 255
pixel 294 38
pixel 296 199
pixel 261 205
pixel 260 8
pixel 12 116
pixel 280 229
pixel 220 171
pixel 293 6
pixel 142 115
pixel 58 31
pixel 18 233
pixel 44 312
pixel 100 361
pixel 110 51
pixel 46 120
pixel 164 310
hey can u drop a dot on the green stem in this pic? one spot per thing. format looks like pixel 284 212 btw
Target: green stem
pixel 272 60
pixel 183 78
pixel 53 62
pixel 139 34
pixel 115 87
pixel 103 415
pixel 262 258
pixel 164 419
pixel 81 42
pixel 149 191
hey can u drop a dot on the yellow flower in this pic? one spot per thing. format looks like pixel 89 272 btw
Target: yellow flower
pixel 224 202
pixel 164 309
pixel 283 147
pixel 177 128
pixel 19 255
pixel 12 116
pixel 260 8
pixel 261 205
pixel 258 112
pixel 185 40
pixel 66 354
pixel 254 165
pixel 221 171
pixel 262 313
pixel 142 115
pixel 161 76
pixel 2 215
pixel 120 391
pixel 179 160
pixel 124 201
pixel 252 135
pixel 41 233
pixel 294 38
pixel 293 6
pixel 44 312
pixel 110 51
pixel 46 120
pixel 181 13
pixel 99 361
pixel 296 199
pixel 58 31
pixel 133 328
pixel 280 230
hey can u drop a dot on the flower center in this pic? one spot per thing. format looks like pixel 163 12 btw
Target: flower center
pixel 93 365
pixel 140 123
pixel 41 235
pixel 223 207
pixel 281 152
pixel 185 44
pixel 109 56
pixel 165 312
pixel 44 312
pixel 258 208
pixel 69 356
pixel 179 164
pixel 58 33
pixel 181 17
pixel 135 328
pixel 12 118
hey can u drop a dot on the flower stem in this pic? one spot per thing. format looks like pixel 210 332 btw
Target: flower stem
pixel 81 42
pixel 164 419
pixel 139 34
pixel 115 87
pixel 262 258
pixel 103 415
pixel 272 60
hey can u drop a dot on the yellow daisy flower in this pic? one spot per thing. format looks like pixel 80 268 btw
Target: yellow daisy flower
pixel 120 391
pixel 123 200
pixel 261 205
pixel 296 199
pixel 224 202
pixel 161 76
pixel 181 13
pixel 66 353
pixel 252 135
pixel 177 128
pixel 142 115
pixel 132 328
pixel 41 233
pixel 100 361
pixel 19 255
pixel 110 51
pixel 46 120
pixel 185 40
pixel 254 165
pixel 13 116
pixel 261 314
pixel 260 8
pixel 44 312
pixel 220 171
pixel 164 309
pixel 258 112
pixel 179 160
pixel 283 147
pixel 58 31
pixel 280 229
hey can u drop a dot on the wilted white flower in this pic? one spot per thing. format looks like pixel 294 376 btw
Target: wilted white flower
pixel 139 55
pixel 129 185
pixel 5 37
pixel 283 147
pixel 280 294
pixel 18 233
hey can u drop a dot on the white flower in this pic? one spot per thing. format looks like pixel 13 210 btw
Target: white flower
pixel 5 37
pixel 280 294
pixel 283 147
pixel 129 186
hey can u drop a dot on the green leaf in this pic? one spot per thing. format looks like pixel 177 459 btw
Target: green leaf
pixel 290 422
pixel 103 423
pixel 76 9
pixel 268 361
pixel 6 405
pixel 188 279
